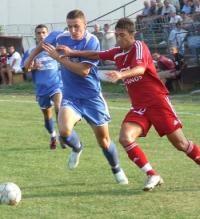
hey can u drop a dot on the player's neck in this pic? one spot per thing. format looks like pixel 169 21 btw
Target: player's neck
pixel 129 46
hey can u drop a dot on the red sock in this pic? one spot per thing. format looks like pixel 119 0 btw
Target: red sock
pixel 136 155
pixel 193 152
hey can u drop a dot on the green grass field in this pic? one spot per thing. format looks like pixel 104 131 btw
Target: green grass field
pixel 51 191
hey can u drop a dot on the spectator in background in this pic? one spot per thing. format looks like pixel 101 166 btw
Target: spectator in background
pixel 193 42
pixel 166 69
pixel 3 64
pixel 187 22
pixel 153 8
pixel 168 8
pixel 98 33
pixel 145 11
pixel 174 18
pixel 14 60
pixel 177 37
pixel 196 6
pixel 159 7
pixel 188 7
pixel 108 40
pixel 175 3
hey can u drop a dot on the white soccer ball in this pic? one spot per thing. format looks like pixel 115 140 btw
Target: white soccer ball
pixel 10 193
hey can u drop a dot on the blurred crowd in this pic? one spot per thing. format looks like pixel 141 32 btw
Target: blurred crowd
pixel 179 20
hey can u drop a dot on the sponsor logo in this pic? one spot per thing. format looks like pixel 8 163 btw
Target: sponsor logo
pixel 176 122
pixel 132 80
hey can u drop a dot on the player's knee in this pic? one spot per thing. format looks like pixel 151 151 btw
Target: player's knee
pixel 104 143
pixel 125 140
pixel 65 132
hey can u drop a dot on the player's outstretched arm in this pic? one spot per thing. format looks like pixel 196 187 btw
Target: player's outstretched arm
pixel 82 69
pixel 29 61
pixel 115 76
pixel 77 53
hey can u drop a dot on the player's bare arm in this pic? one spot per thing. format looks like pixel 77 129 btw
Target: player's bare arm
pixel 76 53
pixel 114 76
pixel 29 61
pixel 81 69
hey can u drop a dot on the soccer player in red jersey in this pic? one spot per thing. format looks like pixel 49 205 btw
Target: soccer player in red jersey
pixel 149 98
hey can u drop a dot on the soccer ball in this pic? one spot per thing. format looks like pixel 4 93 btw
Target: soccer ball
pixel 10 193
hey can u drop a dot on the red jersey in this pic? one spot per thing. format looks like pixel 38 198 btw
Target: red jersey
pixel 165 63
pixel 146 89
pixel 3 59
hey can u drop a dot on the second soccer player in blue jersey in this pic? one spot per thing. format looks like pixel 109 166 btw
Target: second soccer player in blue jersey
pixel 48 84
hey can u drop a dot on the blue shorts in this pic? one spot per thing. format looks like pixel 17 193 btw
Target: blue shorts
pixel 93 110
pixel 46 101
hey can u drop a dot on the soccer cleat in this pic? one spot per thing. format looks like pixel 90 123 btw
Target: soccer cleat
pixel 152 182
pixel 121 178
pixel 74 159
pixel 53 143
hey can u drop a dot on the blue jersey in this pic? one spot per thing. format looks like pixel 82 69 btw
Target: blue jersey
pixel 75 85
pixel 48 77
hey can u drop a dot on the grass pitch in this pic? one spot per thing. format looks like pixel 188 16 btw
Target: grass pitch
pixel 51 191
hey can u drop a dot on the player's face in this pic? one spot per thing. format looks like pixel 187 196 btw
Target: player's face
pixel 76 28
pixel 124 38
pixel 40 34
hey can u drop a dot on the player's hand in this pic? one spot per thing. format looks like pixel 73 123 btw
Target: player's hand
pixel 66 51
pixel 37 65
pixel 28 64
pixel 51 51
pixel 113 76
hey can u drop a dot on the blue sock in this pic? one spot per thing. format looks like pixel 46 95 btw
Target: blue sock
pixel 112 157
pixel 72 141
pixel 49 125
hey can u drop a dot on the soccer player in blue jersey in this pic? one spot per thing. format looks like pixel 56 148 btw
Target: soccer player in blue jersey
pixel 82 95
pixel 48 84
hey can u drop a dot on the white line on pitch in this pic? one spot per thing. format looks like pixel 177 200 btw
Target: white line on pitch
pixel 110 107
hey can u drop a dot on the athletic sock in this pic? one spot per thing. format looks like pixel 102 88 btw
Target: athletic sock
pixel 53 134
pixel 49 125
pixel 72 141
pixel 193 152
pixel 136 155
pixel 112 156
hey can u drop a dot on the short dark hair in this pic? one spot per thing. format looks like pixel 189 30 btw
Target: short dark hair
pixel 41 26
pixel 76 14
pixel 126 24
pixel 10 46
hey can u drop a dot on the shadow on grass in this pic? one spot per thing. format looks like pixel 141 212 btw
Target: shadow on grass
pixel 104 190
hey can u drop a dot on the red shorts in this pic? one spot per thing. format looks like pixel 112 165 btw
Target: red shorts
pixel 162 116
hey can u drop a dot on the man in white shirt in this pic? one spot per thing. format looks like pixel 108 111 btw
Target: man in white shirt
pixel 14 60
pixel 168 8
pixel 177 37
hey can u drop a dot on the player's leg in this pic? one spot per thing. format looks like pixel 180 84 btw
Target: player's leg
pixel 67 118
pixel 49 125
pixel 130 131
pixel 57 97
pixel 180 142
pixel 110 152
pixel 46 108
